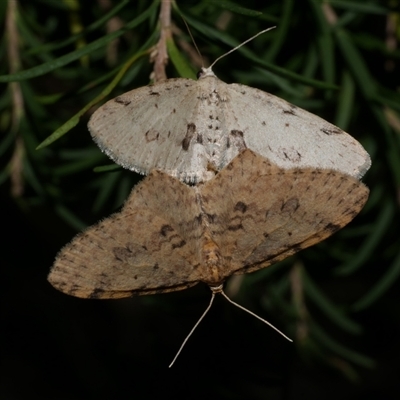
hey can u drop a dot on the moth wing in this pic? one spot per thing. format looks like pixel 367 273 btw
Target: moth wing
pixel 260 213
pixel 287 135
pixel 149 247
pixel 145 129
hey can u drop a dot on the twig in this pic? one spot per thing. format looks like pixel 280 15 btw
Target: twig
pixel 161 54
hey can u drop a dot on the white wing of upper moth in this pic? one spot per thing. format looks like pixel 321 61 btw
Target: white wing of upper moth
pixel 192 129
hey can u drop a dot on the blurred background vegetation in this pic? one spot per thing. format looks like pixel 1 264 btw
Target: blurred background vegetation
pixel 339 300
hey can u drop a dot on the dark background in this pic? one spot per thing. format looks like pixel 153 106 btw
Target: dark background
pixel 54 346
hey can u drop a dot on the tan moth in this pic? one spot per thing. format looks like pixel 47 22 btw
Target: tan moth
pixel 170 236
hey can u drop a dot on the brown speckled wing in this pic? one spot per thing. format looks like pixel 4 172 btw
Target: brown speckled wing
pixel 151 246
pixel 169 236
pixel 260 214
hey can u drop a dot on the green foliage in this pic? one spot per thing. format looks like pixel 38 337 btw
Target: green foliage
pixel 333 58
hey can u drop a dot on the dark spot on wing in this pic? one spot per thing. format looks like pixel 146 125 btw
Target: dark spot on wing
pixel 122 253
pixel 165 229
pixel 120 100
pixel 240 206
pixel 197 220
pixel 332 228
pixel 178 245
pixel 212 218
pixel 290 205
pixel 191 130
pixel 237 139
pixel 291 110
pixel 151 136
pixel 236 133
pixel 96 294
pixel 296 248
pixel 331 131
pixel 235 227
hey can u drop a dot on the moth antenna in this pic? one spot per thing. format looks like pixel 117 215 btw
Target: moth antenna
pixel 255 315
pixel 240 45
pixel 193 41
pixel 193 329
